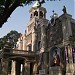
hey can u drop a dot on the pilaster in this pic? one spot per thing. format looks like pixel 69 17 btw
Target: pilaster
pixel 33 39
pixel 35 68
pixel 24 42
pixel 69 66
pixel 43 38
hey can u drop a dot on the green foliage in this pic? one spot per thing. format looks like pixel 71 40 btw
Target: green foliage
pixel 10 39
pixel 8 6
pixel 2 2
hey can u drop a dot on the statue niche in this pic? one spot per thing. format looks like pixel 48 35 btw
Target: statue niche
pixel 55 58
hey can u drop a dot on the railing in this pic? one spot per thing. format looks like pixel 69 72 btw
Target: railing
pixel 23 52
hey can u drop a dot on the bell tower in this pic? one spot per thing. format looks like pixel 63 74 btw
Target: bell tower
pixel 37 11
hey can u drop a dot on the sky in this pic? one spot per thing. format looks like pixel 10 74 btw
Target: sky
pixel 20 17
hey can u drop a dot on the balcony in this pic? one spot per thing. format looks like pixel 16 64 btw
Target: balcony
pixel 15 52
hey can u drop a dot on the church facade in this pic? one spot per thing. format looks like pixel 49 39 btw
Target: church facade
pixel 52 42
pixel 46 37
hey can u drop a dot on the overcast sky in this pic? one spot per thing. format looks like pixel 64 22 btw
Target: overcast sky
pixel 20 17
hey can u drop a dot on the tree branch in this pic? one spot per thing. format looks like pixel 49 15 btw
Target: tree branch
pixel 8 11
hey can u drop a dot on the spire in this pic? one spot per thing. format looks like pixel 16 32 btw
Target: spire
pixel 37 4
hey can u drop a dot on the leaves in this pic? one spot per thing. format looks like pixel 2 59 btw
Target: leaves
pixel 2 2
pixel 10 39
pixel 8 6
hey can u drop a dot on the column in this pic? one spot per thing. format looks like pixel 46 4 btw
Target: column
pixel 70 54
pixel 69 66
pixel 27 68
pixel 13 69
pixel 35 68
pixel 24 42
pixel 43 46
pixel 33 39
pixel 23 69
pixel 4 63
pixel 43 41
pixel 43 38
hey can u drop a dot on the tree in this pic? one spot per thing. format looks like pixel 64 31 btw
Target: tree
pixel 10 39
pixel 8 6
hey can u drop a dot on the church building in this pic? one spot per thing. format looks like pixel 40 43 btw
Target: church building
pixel 51 41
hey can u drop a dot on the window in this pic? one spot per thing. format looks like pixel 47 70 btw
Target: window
pixel 41 14
pixel 29 47
pixel 39 44
pixel 35 13
pixel 31 16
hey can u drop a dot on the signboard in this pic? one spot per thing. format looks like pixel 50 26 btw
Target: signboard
pixel 42 71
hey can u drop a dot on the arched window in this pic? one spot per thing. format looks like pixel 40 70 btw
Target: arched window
pixel 31 16
pixel 29 47
pixel 41 14
pixel 35 13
